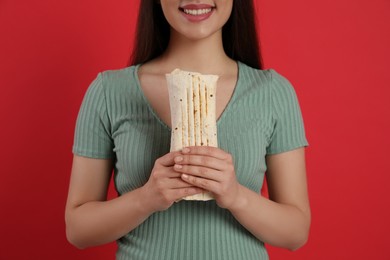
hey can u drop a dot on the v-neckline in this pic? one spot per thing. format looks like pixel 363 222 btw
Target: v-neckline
pixel 158 118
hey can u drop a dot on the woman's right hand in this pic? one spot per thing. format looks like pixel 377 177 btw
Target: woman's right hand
pixel 165 185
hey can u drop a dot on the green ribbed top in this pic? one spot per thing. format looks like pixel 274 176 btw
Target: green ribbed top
pixel 117 121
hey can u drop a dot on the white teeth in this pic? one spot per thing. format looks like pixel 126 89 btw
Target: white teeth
pixel 197 11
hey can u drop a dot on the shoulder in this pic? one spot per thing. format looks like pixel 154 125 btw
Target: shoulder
pixel 116 82
pixel 269 77
pixel 119 76
pixel 250 74
pixel 281 88
pixel 111 86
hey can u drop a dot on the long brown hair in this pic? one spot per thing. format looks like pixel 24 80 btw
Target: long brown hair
pixel 239 35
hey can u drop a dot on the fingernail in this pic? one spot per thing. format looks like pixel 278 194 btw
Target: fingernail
pixel 178 159
pixel 184 176
pixel 178 166
pixel 186 150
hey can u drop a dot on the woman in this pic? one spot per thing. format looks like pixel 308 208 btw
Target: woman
pixel 124 124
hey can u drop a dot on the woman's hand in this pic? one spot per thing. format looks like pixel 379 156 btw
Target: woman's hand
pixel 211 169
pixel 165 186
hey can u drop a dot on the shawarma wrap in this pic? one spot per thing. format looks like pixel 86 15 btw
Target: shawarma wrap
pixel 192 98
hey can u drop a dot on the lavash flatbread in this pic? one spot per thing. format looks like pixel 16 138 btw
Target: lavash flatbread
pixel 192 98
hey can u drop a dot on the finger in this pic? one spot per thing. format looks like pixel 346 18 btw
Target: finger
pixel 200 160
pixel 167 159
pixel 165 172
pixel 172 173
pixel 207 151
pixel 206 184
pixel 177 183
pixel 199 171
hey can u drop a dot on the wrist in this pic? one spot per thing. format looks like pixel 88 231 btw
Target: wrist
pixel 241 200
pixel 144 203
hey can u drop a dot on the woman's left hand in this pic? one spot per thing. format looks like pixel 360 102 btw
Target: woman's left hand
pixel 211 169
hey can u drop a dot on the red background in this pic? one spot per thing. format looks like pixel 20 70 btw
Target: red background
pixel 335 53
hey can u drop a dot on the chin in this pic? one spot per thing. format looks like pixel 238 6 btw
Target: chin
pixel 197 35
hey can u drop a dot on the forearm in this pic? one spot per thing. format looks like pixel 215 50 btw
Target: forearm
pixel 276 224
pixel 99 222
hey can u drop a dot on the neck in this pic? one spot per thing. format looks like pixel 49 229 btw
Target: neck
pixel 202 55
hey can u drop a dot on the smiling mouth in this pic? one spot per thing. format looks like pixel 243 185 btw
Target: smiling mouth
pixel 196 12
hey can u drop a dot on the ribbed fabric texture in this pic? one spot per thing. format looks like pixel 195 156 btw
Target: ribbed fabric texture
pixel 116 121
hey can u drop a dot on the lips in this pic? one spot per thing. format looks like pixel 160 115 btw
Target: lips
pixel 197 12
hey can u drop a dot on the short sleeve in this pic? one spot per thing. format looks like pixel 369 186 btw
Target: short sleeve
pixel 93 129
pixel 288 132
